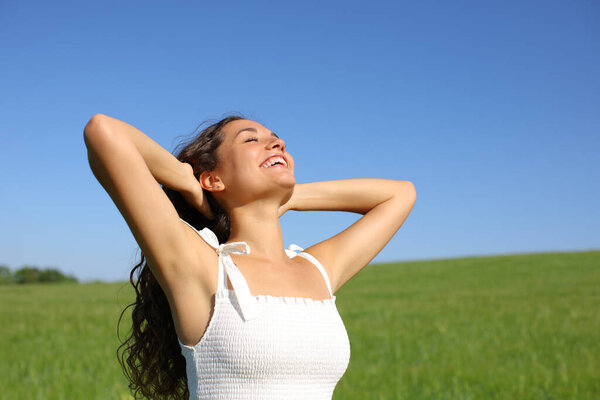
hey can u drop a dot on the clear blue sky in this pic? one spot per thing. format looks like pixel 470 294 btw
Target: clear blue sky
pixel 491 109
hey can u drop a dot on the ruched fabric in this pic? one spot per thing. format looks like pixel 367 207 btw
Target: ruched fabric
pixel 266 347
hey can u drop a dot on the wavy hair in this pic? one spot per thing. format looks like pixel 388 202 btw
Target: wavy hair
pixel 151 356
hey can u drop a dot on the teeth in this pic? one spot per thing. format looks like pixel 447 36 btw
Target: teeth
pixel 274 160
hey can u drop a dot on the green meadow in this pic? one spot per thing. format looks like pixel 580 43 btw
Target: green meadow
pixel 501 327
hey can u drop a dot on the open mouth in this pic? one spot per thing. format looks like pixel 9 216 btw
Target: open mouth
pixel 274 162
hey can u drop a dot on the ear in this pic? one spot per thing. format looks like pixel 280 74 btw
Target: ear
pixel 209 181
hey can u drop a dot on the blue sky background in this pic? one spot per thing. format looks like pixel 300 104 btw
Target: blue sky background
pixel 491 109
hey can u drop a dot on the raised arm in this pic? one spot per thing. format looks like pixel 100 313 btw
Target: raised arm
pixel 385 205
pixel 129 165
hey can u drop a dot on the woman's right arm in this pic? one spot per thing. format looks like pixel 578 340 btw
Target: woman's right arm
pixel 129 165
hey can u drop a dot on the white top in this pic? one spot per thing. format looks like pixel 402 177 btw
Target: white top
pixel 266 347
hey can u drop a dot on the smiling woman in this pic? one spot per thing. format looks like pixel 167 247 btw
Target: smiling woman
pixel 222 309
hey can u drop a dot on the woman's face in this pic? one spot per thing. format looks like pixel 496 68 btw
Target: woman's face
pixel 242 169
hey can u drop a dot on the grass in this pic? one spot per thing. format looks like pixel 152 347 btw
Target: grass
pixel 502 327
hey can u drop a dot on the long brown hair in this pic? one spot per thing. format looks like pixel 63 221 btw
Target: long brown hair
pixel 151 356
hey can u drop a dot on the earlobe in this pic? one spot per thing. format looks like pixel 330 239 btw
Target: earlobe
pixel 210 182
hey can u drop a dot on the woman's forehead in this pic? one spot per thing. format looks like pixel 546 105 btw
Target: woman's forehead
pixel 234 128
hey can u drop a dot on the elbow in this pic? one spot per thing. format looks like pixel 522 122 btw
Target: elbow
pixel 95 129
pixel 413 191
pixel 406 190
pixel 94 122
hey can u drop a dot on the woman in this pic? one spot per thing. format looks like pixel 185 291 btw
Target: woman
pixel 222 310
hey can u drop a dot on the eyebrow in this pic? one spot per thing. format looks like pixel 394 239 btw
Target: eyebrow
pixel 253 130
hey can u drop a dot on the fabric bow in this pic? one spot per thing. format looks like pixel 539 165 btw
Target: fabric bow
pixel 291 250
pixel 245 299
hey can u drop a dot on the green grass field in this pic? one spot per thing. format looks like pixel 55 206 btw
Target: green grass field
pixel 507 327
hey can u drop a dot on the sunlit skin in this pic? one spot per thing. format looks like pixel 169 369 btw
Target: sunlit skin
pixel 128 163
pixel 252 195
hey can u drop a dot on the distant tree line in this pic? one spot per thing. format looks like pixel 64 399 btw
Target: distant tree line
pixel 32 274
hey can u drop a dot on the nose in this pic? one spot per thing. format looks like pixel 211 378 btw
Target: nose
pixel 278 142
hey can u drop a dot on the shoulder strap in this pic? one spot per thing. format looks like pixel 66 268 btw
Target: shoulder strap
pixel 291 252
pixel 227 267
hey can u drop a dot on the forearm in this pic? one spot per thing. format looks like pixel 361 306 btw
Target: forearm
pixel 103 131
pixel 352 195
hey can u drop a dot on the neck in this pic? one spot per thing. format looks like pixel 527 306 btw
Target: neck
pixel 258 225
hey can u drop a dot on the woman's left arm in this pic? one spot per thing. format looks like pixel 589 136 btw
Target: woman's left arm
pixel 385 205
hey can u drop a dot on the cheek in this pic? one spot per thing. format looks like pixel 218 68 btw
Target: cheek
pixel 242 164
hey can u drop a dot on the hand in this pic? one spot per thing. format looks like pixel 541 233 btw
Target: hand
pixel 282 210
pixel 288 204
pixel 194 194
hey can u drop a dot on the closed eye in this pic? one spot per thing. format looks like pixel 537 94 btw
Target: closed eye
pixel 256 139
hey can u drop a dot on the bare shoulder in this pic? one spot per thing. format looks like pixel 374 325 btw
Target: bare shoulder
pixel 191 299
pixel 344 255
pixel 322 255
pixel 201 258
